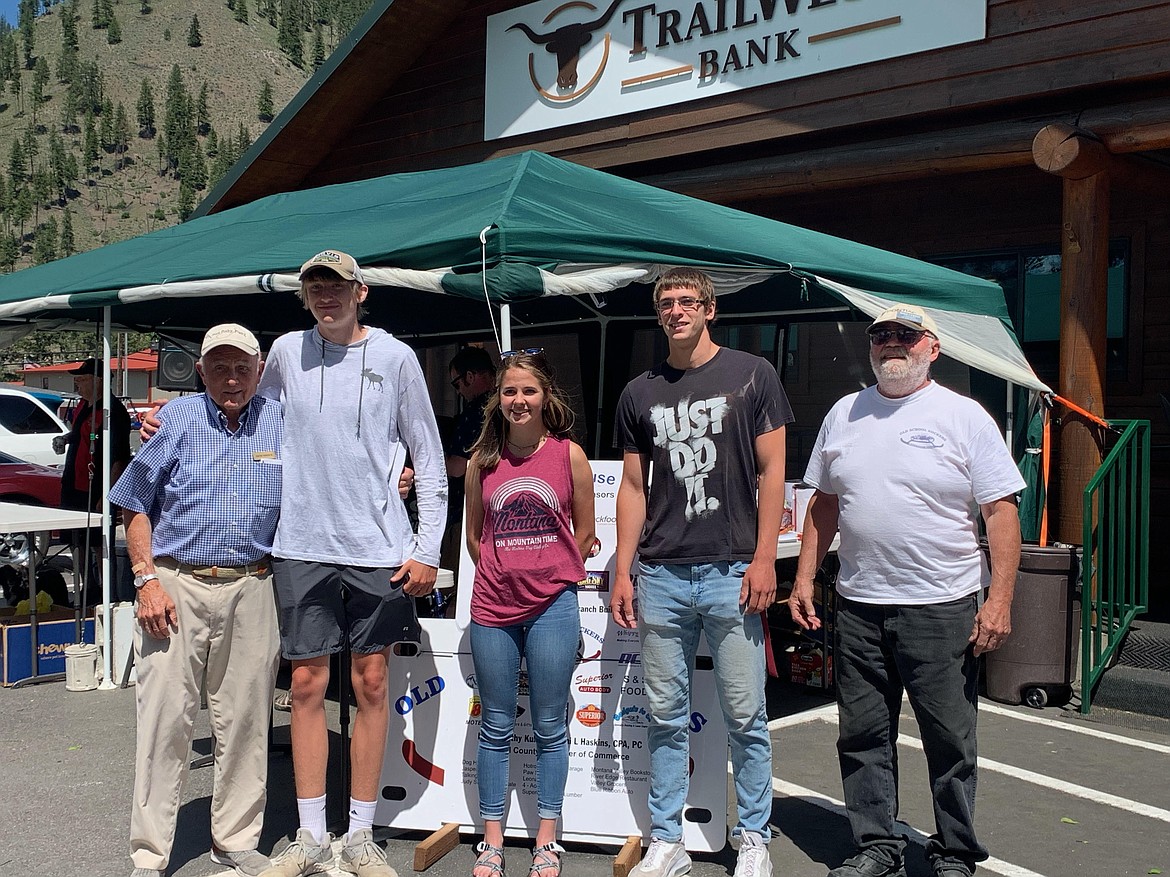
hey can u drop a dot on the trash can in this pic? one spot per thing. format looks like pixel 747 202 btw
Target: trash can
pixel 81 667
pixel 1038 661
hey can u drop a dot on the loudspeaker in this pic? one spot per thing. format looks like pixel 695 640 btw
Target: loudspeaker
pixel 176 368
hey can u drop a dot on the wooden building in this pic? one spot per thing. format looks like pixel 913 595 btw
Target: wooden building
pixel 907 124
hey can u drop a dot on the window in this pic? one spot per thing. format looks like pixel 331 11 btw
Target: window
pixel 20 415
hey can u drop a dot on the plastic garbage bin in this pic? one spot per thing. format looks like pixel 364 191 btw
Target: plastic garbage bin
pixel 1038 661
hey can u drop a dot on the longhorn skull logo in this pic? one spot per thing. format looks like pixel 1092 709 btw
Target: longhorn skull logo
pixel 567 41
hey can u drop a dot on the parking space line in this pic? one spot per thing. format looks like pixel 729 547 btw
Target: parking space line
pixel 813 715
pixel 790 790
pixel 1076 729
pixel 1067 788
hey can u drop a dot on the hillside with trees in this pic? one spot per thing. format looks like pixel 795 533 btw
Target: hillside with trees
pixel 117 116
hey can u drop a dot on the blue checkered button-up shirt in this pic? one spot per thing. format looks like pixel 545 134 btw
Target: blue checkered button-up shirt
pixel 212 496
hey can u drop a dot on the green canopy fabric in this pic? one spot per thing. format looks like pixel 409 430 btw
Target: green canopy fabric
pixel 522 228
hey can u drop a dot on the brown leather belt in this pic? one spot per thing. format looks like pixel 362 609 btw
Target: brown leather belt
pixel 222 573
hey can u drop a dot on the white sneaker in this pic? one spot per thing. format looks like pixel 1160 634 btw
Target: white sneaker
pixel 753 860
pixel 664 859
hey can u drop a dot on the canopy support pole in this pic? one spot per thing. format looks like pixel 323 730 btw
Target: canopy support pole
pixel 107 540
pixel 505 327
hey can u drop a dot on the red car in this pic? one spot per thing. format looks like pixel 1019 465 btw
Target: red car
pixel 28 483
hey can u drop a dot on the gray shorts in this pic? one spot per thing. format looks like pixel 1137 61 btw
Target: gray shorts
pixel 326 607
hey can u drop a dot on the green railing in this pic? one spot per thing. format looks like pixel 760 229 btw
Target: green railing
pixel 1115 579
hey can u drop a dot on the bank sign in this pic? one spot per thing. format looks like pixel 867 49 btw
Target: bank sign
pixel 560 62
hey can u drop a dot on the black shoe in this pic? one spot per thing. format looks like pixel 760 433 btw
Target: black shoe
pixel 951 869
pixel 865 865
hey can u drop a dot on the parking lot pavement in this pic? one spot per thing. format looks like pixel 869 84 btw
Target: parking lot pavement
pixel 1057 795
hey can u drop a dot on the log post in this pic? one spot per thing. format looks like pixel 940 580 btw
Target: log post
pixel 1084 164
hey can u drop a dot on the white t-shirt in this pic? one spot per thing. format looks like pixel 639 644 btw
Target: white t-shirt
pixel 909 475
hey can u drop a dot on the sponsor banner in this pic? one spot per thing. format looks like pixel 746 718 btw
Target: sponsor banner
pixel 429 772
pixel 554 63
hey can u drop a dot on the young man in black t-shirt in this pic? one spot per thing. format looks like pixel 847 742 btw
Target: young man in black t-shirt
pixel 712 422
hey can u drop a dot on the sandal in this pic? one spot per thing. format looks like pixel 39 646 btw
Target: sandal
pixel 544 865
pixel 489 857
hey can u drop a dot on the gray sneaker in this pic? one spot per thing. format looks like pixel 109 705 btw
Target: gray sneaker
pixel 146 872
pixel 663 859
pixel 247 863
pixel 865 865
pixel 753 860
pixel 363 857
pixel 302 857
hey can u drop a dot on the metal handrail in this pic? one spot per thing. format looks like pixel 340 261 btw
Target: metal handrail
pixel 1115 570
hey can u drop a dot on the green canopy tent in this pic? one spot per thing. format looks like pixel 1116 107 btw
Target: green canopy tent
pixel 548 239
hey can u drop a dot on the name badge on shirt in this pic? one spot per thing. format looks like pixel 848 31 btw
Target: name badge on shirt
pixel 264 456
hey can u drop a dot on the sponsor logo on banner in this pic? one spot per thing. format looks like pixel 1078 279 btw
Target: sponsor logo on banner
pixel 425 769
pixel 419 694
pixel 591 684
pixel 470 680
pixel 595 580
pixel 697 722
pixel 591 716
pixel 633 715
pixel 474 707
pixel 630 658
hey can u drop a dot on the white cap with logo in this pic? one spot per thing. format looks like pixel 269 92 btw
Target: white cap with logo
pixel 230 335
pixel 910 316
pixel 342 264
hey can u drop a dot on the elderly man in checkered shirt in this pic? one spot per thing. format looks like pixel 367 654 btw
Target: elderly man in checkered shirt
pixel 201 501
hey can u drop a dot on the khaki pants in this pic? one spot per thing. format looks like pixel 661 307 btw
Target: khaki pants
pixel 226 629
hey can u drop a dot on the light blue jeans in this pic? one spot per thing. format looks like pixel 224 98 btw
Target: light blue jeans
pixel 677 602
pixel 548 644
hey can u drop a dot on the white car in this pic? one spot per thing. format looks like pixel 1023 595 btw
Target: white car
pixel 28 427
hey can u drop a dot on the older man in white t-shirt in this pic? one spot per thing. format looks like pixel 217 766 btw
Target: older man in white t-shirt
pixel 903 470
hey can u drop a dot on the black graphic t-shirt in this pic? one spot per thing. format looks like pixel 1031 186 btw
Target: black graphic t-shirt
pixel 698 427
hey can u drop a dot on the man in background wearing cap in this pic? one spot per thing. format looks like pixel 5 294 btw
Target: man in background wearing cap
pixel 899 469
pixel 82 475
pixel 347 560
pixel 201 500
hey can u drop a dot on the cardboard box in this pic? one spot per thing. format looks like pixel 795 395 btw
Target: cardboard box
pixel 809 667
pixel 55 631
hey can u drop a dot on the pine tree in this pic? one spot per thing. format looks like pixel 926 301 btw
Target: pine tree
pixel 67 60
pixel 177 123
pixel 318 47
pixel 69 112
pixel 114 31
pixel 145 110
pixel 264 102
pixel 241 11
pixel 68 247
pixel 106 128
pixel 14 85
pixel 9 251
pixel 40 80
pixel 194 39
pixel 212 145
pixel 90 150
pixel 243 141
pixel 17 163
pixel 27 16
pixel 144 8
pixel 57 166
pixel 45 243
pixel 288 36
pixel 186 201
pixel 202 112
pixel 98 15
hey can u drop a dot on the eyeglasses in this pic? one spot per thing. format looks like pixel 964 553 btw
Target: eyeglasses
pixel 527 351
pixel 909 337
pixel 456 382
pixel 686 302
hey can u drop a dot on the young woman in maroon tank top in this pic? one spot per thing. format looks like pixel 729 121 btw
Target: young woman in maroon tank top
pixel 529 527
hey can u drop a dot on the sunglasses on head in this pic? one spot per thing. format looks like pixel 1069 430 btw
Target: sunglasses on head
pixel 527 351
pixel 909 337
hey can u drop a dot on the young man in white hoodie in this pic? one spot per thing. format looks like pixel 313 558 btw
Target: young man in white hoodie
pixel 347 563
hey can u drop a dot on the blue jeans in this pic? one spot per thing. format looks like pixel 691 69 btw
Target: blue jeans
pixel 548 644
pixel 677 602
pixel 880 651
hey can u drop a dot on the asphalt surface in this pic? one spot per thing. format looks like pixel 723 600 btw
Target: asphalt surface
pixel 1057 795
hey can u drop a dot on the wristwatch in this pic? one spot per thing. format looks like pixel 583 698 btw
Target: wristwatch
pixel 141 580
